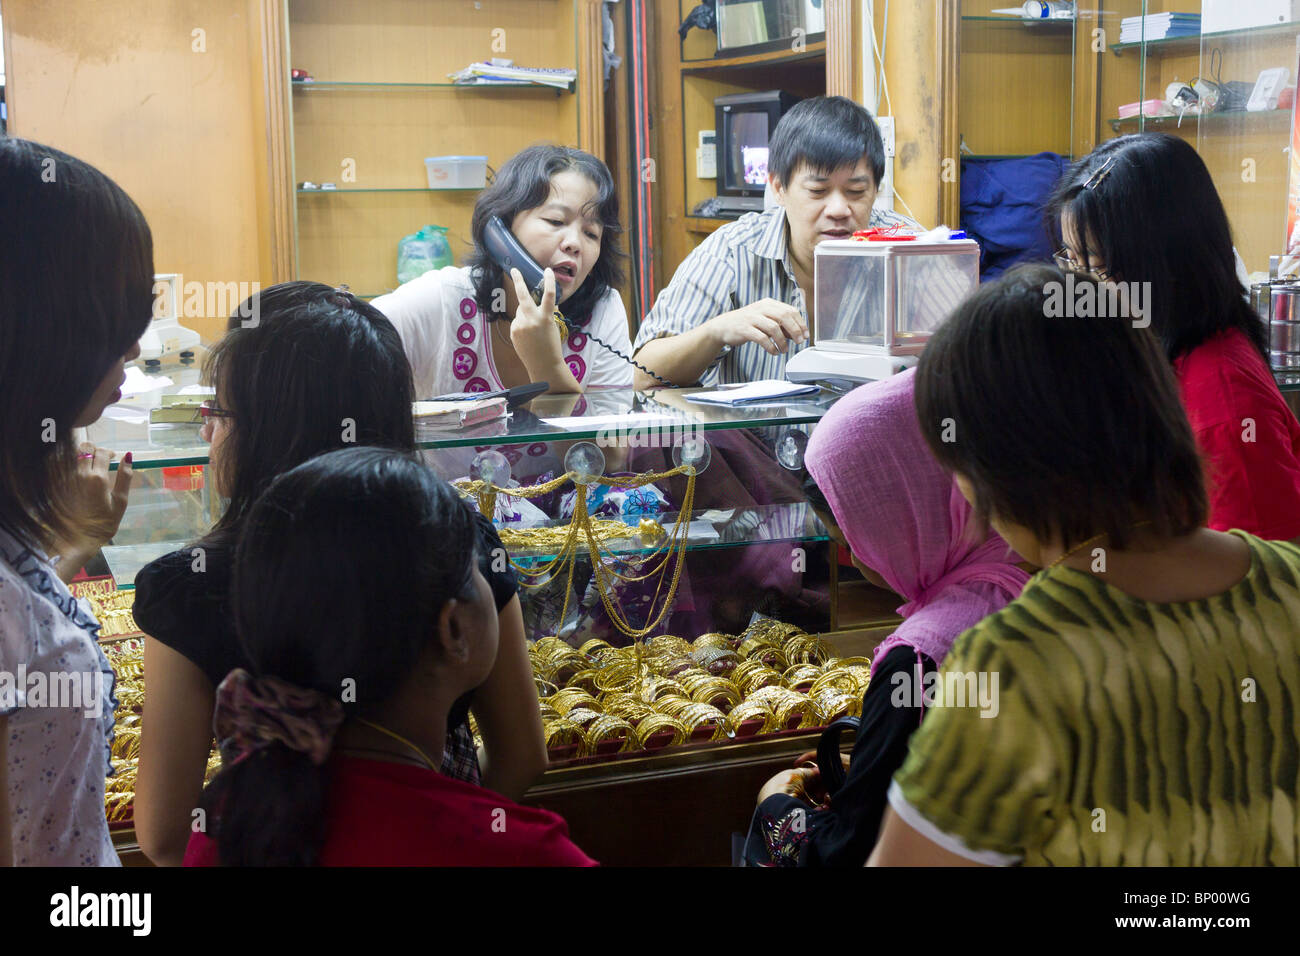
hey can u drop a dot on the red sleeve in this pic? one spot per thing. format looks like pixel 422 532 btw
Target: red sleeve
pixel 1252 485
pixel 200 851
pixel 1248 437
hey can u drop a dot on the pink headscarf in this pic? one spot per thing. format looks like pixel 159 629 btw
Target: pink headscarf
pixel 904 517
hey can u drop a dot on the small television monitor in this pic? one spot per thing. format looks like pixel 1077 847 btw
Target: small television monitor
pixel 745 122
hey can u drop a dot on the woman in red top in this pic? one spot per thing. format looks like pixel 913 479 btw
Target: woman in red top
pixel 1143 209
pixel 358 600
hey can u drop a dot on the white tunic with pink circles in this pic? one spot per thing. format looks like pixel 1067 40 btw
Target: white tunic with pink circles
pixel 446 337
pixel 448 343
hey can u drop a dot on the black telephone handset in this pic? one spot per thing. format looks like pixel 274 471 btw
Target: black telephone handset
pixel 509 253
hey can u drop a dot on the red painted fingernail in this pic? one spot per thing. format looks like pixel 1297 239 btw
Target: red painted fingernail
pixel 126 459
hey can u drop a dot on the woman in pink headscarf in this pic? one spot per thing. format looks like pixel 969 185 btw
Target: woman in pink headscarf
pixel 880 493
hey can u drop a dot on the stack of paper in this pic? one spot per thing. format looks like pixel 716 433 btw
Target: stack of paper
pixel 498 70
pixel 770 390
pixel 1159 26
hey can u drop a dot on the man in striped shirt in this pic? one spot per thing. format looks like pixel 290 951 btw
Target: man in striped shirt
pixel 738 306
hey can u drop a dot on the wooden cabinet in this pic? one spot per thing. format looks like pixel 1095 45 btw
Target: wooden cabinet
pixel 381 101
pixel 690 74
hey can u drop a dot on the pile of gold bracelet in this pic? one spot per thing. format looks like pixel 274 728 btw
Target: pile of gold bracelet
pixel 127 658
pixel 113 611
pixel 599 699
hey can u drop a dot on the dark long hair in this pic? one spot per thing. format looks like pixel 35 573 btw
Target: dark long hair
pixel 341 572
pixel 523 183
pixel 76 291
pixel 1069 426
pixel 316 369
pixel 1150 206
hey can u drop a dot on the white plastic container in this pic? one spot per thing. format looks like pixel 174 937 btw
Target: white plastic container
pixel 456 172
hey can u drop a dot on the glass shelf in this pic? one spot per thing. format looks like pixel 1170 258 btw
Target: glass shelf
pixel 326 85
pixel 125 560
pixel 386 189
pixel 1191 44
pixel 1195 119
pixel 779 523
pixel 610 414
pixel 1063 24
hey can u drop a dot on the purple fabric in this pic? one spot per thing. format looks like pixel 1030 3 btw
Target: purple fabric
pixel 904 517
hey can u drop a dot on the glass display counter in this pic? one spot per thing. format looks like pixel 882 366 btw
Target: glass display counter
pixel 681 622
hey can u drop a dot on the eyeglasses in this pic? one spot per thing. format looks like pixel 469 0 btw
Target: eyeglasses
pixel 1068 263
pixel 208 411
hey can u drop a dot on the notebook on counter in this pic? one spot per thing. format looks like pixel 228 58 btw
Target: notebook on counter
pixel 442 415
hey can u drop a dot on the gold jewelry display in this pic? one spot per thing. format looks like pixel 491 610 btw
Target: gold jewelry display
pixel 632 694
pixel 609 727
pixel 652 724
pixel 595 532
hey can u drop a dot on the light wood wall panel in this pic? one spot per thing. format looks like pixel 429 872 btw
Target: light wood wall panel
pixel 121 86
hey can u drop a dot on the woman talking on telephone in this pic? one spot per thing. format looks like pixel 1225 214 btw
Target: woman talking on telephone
pixel 560 204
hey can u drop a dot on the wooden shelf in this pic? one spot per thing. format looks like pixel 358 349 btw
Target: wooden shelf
pixel 862 604
pixel 1192 44
pixel 813 51
pixel 704 225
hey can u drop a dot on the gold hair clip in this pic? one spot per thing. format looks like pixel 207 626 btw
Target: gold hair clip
pixel 1095 179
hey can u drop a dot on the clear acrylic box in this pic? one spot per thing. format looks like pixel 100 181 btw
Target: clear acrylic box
pixel 887 297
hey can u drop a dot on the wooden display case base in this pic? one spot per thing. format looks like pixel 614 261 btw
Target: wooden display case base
pixel 668 810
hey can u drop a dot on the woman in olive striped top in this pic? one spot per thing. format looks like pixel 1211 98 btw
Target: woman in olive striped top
pixel 1139 704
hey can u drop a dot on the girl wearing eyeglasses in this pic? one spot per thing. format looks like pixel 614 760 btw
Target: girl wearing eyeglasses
pixel 1143 208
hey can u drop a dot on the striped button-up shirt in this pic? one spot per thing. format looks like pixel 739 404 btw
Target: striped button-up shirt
pixel 743 262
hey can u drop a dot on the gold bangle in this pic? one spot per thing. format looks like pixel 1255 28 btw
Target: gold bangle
pixel 609 727
pixel 546 710
pixel 833 704
pixel 652 724
pixel 586 680
pixel 589 648
pixel 771 630
pixel 748 710
pixel 627 706
pixel 745 669
pixel 713 689
pixel 715 639
pixel 697 716
pixel 861 678
pixel 837 679
pixel 716 660
pixel 549 645
pixel 618 677
pixel 797 674
pixel 852 662
pixel 802 707
pixel 582 716
pixel 566 699
pixel 668 643
pixel 652 688
pixel 673 704
pixel 544 687
pixel 559 733
pixel 770 694
pixel 758 678
pixel 561 666
pixel 807 650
